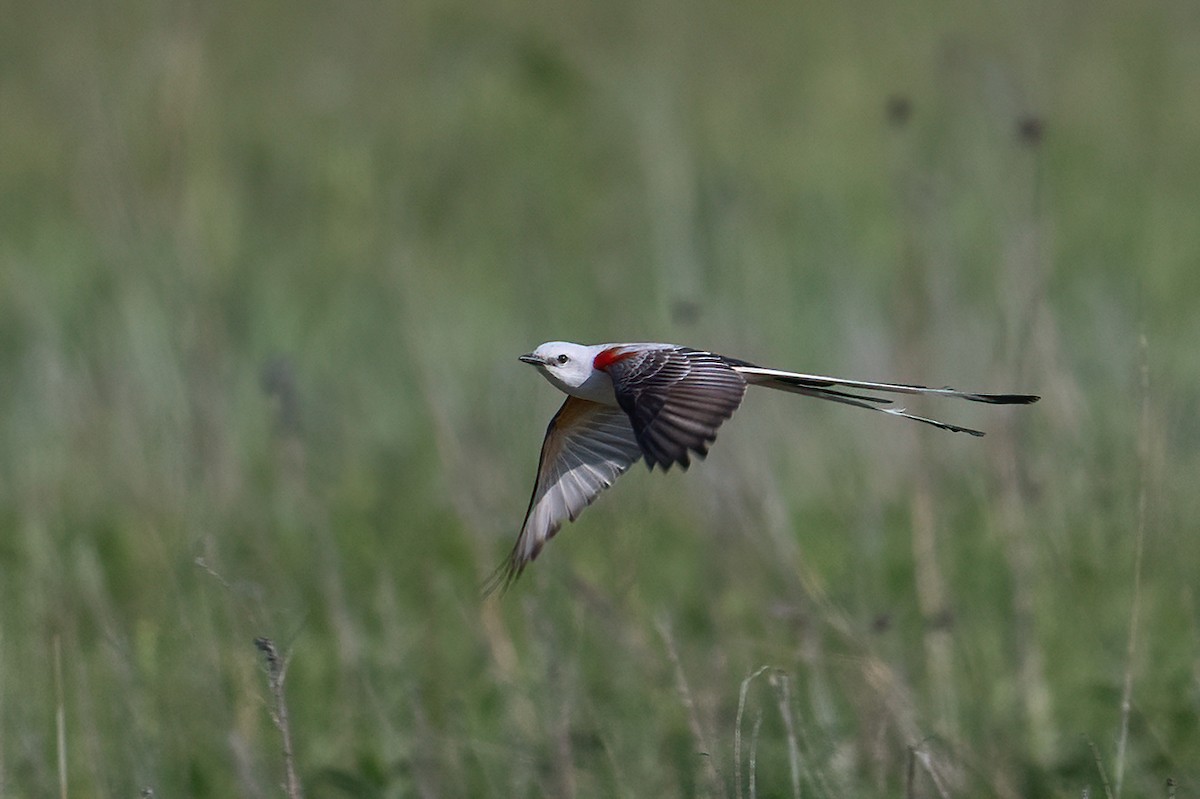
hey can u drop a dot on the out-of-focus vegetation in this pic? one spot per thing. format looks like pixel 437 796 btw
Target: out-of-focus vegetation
pixel 264 271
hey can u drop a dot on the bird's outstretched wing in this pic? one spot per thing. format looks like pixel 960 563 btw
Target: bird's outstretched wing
pixel 676 398
pixel 587 447
pixel 827 388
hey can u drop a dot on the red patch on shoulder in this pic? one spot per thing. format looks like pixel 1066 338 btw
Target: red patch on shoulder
pixel 606 358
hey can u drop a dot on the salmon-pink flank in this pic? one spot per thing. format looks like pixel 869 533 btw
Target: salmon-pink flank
pixel 606 358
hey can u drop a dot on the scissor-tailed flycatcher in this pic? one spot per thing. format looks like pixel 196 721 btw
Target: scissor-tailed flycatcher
pixel 660 402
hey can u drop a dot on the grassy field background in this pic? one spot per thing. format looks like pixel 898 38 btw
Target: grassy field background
pixel 265 269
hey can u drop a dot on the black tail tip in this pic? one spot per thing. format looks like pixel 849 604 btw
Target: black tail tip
pixel 1007 399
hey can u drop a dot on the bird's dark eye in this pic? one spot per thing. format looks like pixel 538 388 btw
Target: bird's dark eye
pixel 563 359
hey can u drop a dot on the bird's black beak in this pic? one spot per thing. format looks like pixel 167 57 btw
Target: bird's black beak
pixel 529 357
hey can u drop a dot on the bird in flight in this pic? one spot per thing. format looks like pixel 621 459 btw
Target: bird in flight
pixel 660 402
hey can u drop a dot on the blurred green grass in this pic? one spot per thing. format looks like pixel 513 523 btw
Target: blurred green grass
pixel 264 271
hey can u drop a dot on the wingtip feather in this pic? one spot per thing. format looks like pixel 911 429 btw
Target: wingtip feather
pixel 499 581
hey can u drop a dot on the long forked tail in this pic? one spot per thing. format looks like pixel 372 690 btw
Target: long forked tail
pixel 828 388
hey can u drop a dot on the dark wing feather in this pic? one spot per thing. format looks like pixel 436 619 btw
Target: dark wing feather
pixel 676 399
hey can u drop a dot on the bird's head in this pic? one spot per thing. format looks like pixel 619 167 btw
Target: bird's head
pixel 566 365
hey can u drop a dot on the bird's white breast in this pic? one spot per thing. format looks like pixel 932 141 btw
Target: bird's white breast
pixel 597 387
